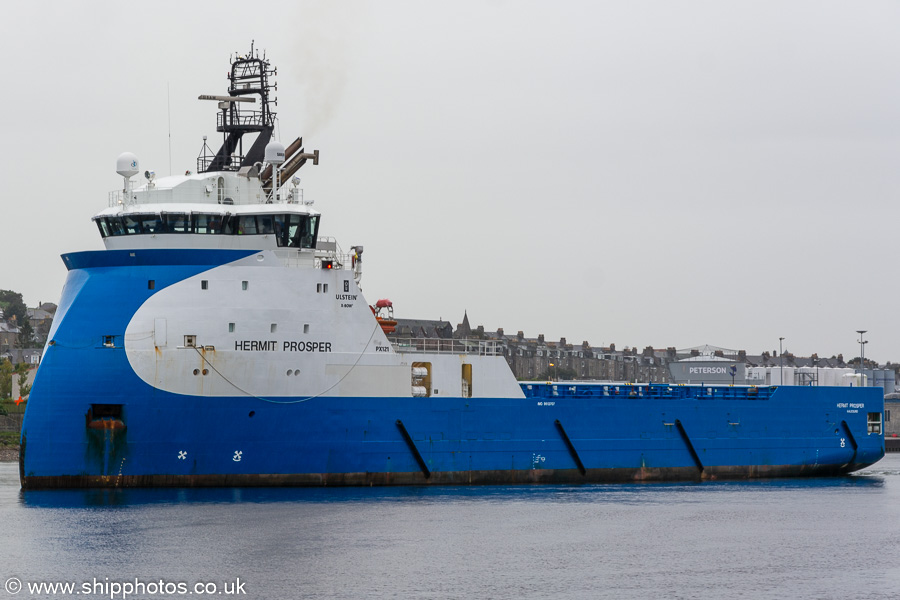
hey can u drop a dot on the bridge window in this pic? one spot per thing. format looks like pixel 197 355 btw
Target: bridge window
pixel 203 223
pixel 265 224
pixel 300 232
pixel 132 224
pixel 103 227
pixel 290 230
pixel 246 225
pixel 178 223
pixel 228 224
pixel 151 223
pixel 114 224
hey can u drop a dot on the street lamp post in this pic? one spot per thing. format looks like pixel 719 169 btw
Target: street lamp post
pixel 816 363
pixel 781 355
pixel 862 349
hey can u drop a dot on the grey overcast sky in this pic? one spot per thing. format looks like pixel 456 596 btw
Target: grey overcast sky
pixel 637 172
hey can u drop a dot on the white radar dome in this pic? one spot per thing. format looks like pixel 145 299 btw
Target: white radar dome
pixel 274 153
pixel 127 165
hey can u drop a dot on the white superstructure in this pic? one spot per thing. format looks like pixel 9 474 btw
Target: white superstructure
pixel 284 317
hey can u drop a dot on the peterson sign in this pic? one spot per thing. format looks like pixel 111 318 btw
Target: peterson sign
pixel 708 370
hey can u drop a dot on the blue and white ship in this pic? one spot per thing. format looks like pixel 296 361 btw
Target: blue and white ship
pixel 220 340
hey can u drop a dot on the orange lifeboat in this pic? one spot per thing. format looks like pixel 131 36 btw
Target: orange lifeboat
pixel 384 314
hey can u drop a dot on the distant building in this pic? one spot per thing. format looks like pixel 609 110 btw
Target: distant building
pixel 533 358
pixel 41 318
pixel 31 357
pixel 8 336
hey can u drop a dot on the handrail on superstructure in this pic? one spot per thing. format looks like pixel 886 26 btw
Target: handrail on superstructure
pixel 446 346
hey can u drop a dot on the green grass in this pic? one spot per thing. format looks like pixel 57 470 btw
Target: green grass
pixel 10 405
pixel 9 438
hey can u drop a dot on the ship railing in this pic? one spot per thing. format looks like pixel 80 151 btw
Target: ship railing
pixel 327 249
pixel 244 117
pixel 205 161
pixel 447 346
pixel 636 391
pixel 142 195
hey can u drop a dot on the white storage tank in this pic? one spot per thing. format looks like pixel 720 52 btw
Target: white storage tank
pixel 890 381
pixel 854 380
pixel 839 376
pixel 779 372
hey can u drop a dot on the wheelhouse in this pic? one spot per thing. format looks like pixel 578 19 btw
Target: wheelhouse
pixel 291 230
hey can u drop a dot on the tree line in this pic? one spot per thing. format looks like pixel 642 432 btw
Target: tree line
pixel 7 371
pixel 16 314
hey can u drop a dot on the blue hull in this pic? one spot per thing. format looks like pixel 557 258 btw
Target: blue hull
pixel 557 433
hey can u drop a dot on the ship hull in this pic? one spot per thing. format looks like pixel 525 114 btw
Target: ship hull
pixel 93 421
pixel 177 441
pixel 416 478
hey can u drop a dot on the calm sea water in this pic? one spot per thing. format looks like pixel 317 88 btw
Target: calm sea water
pixel 819 538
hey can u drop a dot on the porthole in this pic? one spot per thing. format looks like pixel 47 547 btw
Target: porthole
pixel 196 371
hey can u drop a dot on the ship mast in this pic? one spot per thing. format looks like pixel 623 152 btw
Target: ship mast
pixel 249 81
